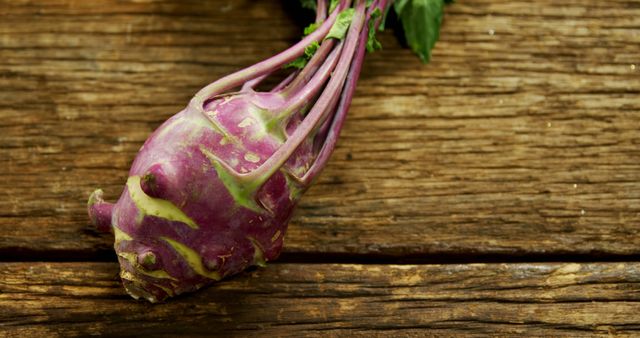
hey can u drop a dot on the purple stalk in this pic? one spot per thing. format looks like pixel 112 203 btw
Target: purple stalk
pixel 254 82
pixel 329 132
pixel 345 101
pixel 313 86
pixel 233 80
pixel 303 76
pixel 321 10
pixel 309 70
pixel 285 82
pixel 100 211
pixel 273 164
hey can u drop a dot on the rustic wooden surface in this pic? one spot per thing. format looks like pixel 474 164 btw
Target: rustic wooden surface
pixel 79 299
pixel 519 142
pixel 524 141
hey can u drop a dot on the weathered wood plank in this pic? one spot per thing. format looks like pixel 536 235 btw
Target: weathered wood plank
pixel 520 137
pixel 79 299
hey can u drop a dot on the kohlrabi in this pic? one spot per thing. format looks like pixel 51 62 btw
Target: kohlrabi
pixel 213 188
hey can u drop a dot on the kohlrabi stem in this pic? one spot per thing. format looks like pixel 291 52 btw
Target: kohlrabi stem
pixel 100 212
pixel 254 82
pixel 311 67
pixel 285 82
pixel 288 109
pixel 321 10
pixel 341 112
pixel 380 5
pixel 311 89
pixel 322 52
pixel 266 66
pixel 256 178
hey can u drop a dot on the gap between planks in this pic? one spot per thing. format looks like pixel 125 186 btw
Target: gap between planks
pixel 108 255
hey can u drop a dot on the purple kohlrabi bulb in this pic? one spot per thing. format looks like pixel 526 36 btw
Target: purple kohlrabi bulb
pixel 213 188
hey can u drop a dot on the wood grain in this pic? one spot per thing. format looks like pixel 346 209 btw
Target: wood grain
pixel 80 299
pixel 520 138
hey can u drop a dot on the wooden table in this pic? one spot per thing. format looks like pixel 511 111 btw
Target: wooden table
pixel 494 191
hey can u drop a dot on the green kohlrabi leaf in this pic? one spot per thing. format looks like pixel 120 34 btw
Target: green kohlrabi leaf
pixel 333 5
pixel 339 28
pixel 384 18
pixel 301 61
pixel 310 4
pixel 372 43
pixel 421 21
pixel 311 28
pixel 311 49
pixel 298 63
